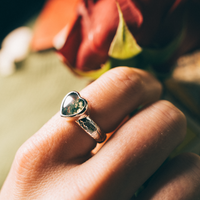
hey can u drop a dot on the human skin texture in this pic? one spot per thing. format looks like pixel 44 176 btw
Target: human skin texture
pixel 57 163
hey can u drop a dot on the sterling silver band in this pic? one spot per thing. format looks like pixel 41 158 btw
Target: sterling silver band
pixel 74 107
pixel 90 127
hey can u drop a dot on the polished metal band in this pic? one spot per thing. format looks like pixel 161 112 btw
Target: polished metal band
pixel 90 127
pixel 76 108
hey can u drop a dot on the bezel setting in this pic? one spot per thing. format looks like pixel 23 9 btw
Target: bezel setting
pixel 74 116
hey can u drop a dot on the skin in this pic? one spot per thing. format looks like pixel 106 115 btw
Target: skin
pixel 57 163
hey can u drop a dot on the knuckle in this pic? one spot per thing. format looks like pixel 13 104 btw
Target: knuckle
pixel 173 112
pixel 26 158
pixel 127 81
pixel 173 117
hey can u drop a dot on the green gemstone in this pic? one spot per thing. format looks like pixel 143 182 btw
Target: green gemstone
pixel 72 105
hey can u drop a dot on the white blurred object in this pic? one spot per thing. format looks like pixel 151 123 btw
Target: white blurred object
pixel 15 48
pixel 60 38
pixel 7 66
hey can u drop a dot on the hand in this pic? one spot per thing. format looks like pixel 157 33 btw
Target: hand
pixel 57 163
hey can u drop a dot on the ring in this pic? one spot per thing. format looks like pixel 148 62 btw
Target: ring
pixel 74 107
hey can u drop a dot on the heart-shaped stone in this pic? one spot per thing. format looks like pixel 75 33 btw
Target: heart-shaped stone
pixel 73 105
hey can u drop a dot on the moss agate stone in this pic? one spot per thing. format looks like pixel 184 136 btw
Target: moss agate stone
pixel 72 105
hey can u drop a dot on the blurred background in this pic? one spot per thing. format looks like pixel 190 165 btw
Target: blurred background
pixel 32 94
pixel 33 86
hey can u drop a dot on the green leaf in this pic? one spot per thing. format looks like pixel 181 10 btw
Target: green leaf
pixel 124 45
pixel 93 74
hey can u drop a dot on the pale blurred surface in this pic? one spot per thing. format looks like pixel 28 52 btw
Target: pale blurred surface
pixel 29 98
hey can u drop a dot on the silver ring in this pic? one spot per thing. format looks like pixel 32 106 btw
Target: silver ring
pixel 74 107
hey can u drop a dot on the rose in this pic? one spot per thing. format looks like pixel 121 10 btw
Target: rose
pixel 155 25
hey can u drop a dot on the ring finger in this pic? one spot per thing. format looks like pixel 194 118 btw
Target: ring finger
pixel 111 98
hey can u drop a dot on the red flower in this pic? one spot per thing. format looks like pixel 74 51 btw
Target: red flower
pixel 153 23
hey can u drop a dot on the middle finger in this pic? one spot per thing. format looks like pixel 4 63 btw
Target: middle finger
pixel 134 152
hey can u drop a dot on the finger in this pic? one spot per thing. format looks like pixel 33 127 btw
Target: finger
pixel 134 152
pixel 178 180
pixel 60 143
pixel 111 98
pixel 119 92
